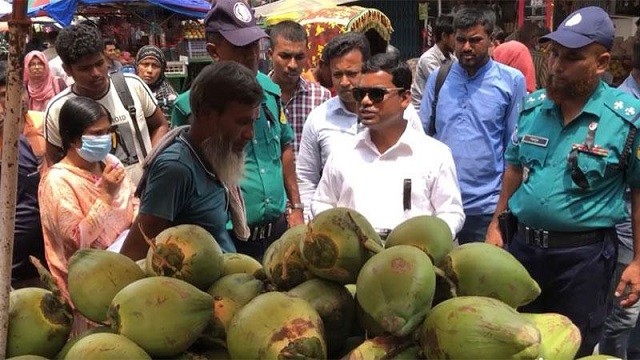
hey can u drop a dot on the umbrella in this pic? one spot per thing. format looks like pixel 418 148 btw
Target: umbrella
pixel 61 11
pixel 325 24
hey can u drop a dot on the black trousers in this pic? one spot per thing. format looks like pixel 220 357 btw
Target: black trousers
pixel 262 235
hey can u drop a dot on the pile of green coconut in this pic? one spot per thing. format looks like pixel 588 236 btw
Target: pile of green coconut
pixel 328 289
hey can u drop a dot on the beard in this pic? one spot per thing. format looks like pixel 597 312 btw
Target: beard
pixel 227 164
pixel 573 89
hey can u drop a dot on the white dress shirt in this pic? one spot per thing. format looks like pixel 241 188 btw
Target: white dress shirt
pixel 328 127
pixel 361 178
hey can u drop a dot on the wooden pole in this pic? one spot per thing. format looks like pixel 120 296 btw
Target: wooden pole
pixel 13 117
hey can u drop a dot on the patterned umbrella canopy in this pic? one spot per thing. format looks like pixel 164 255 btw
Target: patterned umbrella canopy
pixel 325 24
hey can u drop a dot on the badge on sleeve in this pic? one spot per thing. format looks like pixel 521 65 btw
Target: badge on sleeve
pixel 283 116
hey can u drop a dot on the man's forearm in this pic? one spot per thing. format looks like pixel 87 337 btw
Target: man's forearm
pixel 289 175
pixel 511 180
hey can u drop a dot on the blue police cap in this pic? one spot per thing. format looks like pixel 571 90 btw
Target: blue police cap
pixel 583 27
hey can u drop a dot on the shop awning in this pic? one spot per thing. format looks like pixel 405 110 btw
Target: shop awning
pixel 63 11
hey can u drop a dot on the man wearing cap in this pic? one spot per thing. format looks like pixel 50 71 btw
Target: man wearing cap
pixel 269 176
pixel 568 164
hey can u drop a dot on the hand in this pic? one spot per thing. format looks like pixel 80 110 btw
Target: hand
pixel 494 237
pixel 628 290
pixel 295 217
pixel 112 177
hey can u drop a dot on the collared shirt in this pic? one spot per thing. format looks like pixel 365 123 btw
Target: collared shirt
pixel 179 188
pixel 328 127
pixel 306 97
pixel 263 182
pixel 548 198
pixel 372 183
pixel 475 117
pixel 631 86
pixel 429 61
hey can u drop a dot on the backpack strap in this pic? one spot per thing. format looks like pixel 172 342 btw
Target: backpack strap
pixel 127 101
pixel 442 76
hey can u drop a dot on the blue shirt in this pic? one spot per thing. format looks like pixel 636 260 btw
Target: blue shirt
pixel 179 188
pixel 475 117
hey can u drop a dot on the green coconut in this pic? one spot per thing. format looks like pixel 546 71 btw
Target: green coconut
pixel 334 304
pixel 233 263
pixel 39 323
pixel 230 294
pixel 428 233
pixel 480 269
pixel 75 339
pixel 276 326
pixel 95 277
pixel 282 261
pixel 105 346
pixel 560 338
pixel 163 315
pixel 476 327
pixel 396 287
pixel 337 244
pixel 186 252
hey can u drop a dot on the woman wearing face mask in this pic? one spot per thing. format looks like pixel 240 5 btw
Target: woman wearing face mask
pixel 40 83
pixel 86 199
pixel 150 67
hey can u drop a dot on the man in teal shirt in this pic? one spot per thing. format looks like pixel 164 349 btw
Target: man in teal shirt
pixel 569 162
pixel 269 176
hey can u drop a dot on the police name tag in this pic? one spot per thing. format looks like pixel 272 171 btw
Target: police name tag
pixel 535 140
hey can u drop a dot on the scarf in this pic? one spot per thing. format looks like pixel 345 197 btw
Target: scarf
pixel 516 54
pixel 42 89
pixel 237 210
pixel 154 52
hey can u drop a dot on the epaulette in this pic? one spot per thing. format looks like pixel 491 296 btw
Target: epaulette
pixel 534 99
pixel 626 106
pixel 267 84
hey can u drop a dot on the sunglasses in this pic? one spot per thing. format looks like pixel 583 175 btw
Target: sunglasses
pixel 375 94
pixel 577 175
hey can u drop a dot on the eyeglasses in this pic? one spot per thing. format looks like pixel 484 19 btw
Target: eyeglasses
pixel 375 94
pixel 577 175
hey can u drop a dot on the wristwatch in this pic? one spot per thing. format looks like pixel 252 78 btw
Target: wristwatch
pixel 295 206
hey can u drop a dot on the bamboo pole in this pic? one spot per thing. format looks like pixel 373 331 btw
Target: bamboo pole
pixel 18 28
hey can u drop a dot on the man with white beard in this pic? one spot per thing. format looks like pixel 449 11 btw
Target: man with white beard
pixel 194 177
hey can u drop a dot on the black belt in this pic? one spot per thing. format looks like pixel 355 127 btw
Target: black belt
pixel 263 231
pixel 557 239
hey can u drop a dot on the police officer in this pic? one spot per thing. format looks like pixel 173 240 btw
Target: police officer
pixel 572 155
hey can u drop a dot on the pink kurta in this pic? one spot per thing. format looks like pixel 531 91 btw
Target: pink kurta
pixel 74 216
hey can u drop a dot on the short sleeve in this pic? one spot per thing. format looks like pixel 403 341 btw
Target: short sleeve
pixel 633 172
pixel 167 187
pixel 51 128
pixel 513 148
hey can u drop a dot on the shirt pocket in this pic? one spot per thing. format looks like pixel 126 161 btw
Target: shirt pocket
pixel 532 156
pixel 593 167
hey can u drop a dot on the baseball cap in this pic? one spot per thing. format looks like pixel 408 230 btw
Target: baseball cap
pixel 583 27
pixel 234 21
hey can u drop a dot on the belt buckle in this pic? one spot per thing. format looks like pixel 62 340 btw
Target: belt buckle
pixel 262 232
pixel 537 237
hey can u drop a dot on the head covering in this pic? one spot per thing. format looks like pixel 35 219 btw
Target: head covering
pixel 583 27
pixel 153 52
pixel 40 90
pixel 234 21
pixel 516 54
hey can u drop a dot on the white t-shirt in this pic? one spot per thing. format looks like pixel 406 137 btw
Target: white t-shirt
pixel 128 149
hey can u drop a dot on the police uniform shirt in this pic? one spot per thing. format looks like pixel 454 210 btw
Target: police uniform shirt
pixel 548 198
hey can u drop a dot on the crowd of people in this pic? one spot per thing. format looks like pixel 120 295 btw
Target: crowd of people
pixel 485 128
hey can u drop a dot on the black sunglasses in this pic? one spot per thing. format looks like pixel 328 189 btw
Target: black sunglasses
pixel 577 175
pixel 375 94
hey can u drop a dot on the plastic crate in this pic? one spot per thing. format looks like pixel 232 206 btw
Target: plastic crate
pixel 176 68
pixel 195 49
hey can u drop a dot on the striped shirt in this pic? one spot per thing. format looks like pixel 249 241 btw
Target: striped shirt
pixel 540 66
pixel 306 97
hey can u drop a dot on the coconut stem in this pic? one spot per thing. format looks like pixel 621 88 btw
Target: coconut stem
pixel 452 285
pixel 50 283
pixel 154 249
pixel 285 259
pixel 367 242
